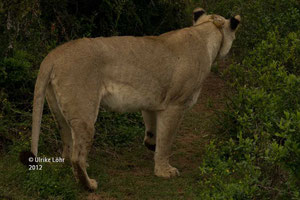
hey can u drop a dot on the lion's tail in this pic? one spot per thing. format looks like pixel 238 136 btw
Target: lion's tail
pixel 38 102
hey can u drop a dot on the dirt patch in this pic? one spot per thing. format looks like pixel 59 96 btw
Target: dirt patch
pixel 93 196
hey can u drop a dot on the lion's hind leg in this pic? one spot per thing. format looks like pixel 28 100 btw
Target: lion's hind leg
pixel 63 126
pixel 150 132
pixel 83 133
pixel 79 102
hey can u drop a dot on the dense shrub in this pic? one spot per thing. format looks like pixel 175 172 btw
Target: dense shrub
pixel 256 153
pixel 259 155
pixel 16 83
pixel 17 77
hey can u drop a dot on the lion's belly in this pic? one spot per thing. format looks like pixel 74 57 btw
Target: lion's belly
pixel 125 98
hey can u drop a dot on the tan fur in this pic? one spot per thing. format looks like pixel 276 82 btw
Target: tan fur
pixel 160 75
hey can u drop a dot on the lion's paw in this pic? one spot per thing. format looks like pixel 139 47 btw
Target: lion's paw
pixel 166 172
pixel 92 185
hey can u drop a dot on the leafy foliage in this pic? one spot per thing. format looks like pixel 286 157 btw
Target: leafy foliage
pixel 256 150
pixel 257 153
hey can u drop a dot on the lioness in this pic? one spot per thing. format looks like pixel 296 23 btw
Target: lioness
pixel 160 75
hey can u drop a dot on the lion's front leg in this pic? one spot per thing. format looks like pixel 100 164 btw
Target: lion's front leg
pixel 150 132
pixel 167 124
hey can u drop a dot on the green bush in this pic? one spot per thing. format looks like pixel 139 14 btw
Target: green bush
pixel 16 83
pixel 272 58
pixel 289 134
pixel 17 77
pixel 257 153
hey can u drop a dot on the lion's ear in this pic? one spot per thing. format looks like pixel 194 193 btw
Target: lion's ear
pixel 234 22
pixel 197 13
